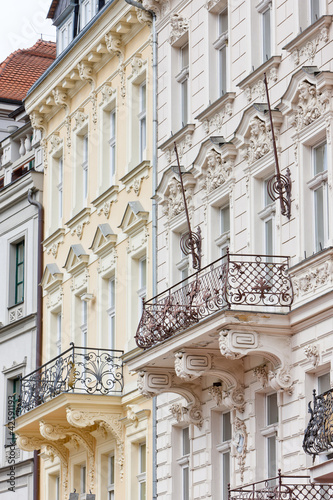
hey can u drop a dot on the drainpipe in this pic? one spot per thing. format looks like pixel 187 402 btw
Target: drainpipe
pixel 39 320
pixel 154 210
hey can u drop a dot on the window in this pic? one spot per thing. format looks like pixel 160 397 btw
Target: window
pixel 272 419
pixel 318 185
pixel 13 393
pixel 142 472
pixel 84 325
pixel 142 121
pixel 324 383
pixel 267 216
pixel 182 265
pixel 182 79
pixel 85 168
pixel 314 10
pixel 60 192
pixel 58 343
pixel 142 290
pixel 224 239
pixel 57 488
pixel 112 312
pixel 224 450
pixel 111 478
pixel 266 35
pixel 112 144
pixel 19 272
pixel 86 12
pixel 221 46
pixel 65 34
pixel 184 463
pixel 83 479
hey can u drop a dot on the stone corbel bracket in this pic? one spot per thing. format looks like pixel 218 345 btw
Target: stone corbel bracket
pixel 86 73
pixel 61 98
pixel 159 7
pixel 179 28
pixel 115 45
pixel 80 419
pixel 190 414
pixel 312 353
pixel 189 366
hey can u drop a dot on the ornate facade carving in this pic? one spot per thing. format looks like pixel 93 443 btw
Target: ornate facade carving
pixel 260 140
pixel 187 414
pixel 80 118
pixel 211 3
pixel 312 353
pixel 136 63
pixel 281 380
pixel 93 98
pixel 68 125
pixel 261 373
pixel 312 103
pixel 37 121
pixel 86 71
pixel 216 392
pixel 114 45
pixel 312 279
pixel 107 92
pixel 218 171
pixel 240 444
pixel 174 203
pixel 217 120
pixel 160 7
pixel 225 347
pixel 60 97
pixel 52 432
pixel 308 51
pixel 235 398
pixel 143 16
pixel 191 366
pixel 257 90
pixel 179 26
pixel 55 142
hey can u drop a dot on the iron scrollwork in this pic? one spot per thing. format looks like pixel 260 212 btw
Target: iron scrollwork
pixel 233 280
pixel 77 370
pixel 318 436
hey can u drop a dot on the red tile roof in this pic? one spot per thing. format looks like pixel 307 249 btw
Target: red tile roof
pixel 20 70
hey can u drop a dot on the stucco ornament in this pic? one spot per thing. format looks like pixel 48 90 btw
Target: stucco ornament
pixel 107 92
pixel 52 432
pixel 55 142
pixel 225 346
pixel 191 366
pixel 312 279
pixel 218 171
pixel 85 71
pixel 136 63
pixel 187 414
pixel 114 45
pixel 311 104
pixel 179 26
pixel 312 353
pixel 260 140
pixel 281 380
pixel 60 97
pixel 174 201
pixel 159 7
pixel 216 392
pixel 261 373
pixel 239 441
pixel 142 385
pixel 235 398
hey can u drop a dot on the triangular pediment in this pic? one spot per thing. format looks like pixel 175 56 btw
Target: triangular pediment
pixel 76 260
pixel 104 239
pixel 52 277
pixel 134 218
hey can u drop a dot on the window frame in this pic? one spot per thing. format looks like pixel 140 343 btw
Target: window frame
pixel 111 311
pixel 182 79
pixel 17 264
pixel 142 117
pixel 111 476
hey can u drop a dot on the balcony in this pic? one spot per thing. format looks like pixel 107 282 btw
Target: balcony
pixel 283 488
pixel 231 282
pixel 81 370
pixel 318 436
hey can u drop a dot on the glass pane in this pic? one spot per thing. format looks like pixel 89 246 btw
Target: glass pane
pixel 186 441
pixel 186 495
pixel 272 409
pixel 20 269
pixel 269 237
pixel 320 163
pixel 143 466
pixel 111 470
pixel 324 383
pixel 143 270
pixel 19 293
pixel 226 427
pixel 225 219
pixel 266 18
pixel 225 474
pixel 319 218
pixel 315 14
pixel 223 22
pixel 223 70
pixel 20 252
pixel 143 97
pixel 184 56
pixel 143 491
pixel 112 124
pixel 184 103
pixel 271 456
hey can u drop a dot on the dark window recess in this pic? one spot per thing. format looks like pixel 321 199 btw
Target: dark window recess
pixel 101 4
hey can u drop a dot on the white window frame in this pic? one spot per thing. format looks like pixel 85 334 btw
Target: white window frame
pixel 264 7
pixel 64 34
pixel 267 214
pixel 224 450
pixel 221 46
pixel 84 19
pixel 57 488
pixel 111 476
pixel 112 145
pixel 60 187
pixel 312 9
pixel 142 282
pixel 58 342
pixel 111 311
pixel 223 240
pixel 182 79
pixel 83 482
pixel 142 475
pixel 85 168
pixel 84 325
pixel 142 120
pixel 269 432
pixel 184 463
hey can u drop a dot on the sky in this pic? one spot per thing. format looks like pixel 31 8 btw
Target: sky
pixel 21 24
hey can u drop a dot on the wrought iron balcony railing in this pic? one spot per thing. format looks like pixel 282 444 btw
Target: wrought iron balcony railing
pixel 77 370
pixel 283 488
pixel 233 280
pixel 318 436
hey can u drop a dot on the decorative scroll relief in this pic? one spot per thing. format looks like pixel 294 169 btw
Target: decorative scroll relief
pixel 313 279
pixel 187 414
pixel 173 203
pixel 210 4
pixel 279 379
pixel 68 124
pixel 308 51
pixel 55 142
pixel 160 7
pixel 312 353
pixel 257 90
pixel 229 342
pixel 151 384
pixel 260 140
pixel 107 92
pixel 115 45
pixel 261 374
pixel 143 16
pixel 234 398
pixel 80 118
pixel 52 432
pixel 136 62
pixel 311 105
pixel 240 443
pixel 86 71
pixel 191 366
pixel 179 26
pixel 60 97
pixel 216 122
pixel 218 171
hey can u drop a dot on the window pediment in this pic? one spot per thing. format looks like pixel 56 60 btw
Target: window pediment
pixel 103 240
pixel 134 218
pixel 76 260
pixel 52 277
pixel 169 192
pixel 217 113
pixel 179 30
pixel 253 84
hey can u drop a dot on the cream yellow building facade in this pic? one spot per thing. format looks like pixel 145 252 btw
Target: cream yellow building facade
pixel 82 410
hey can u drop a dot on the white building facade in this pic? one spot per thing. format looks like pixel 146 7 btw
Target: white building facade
pixel 234 352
